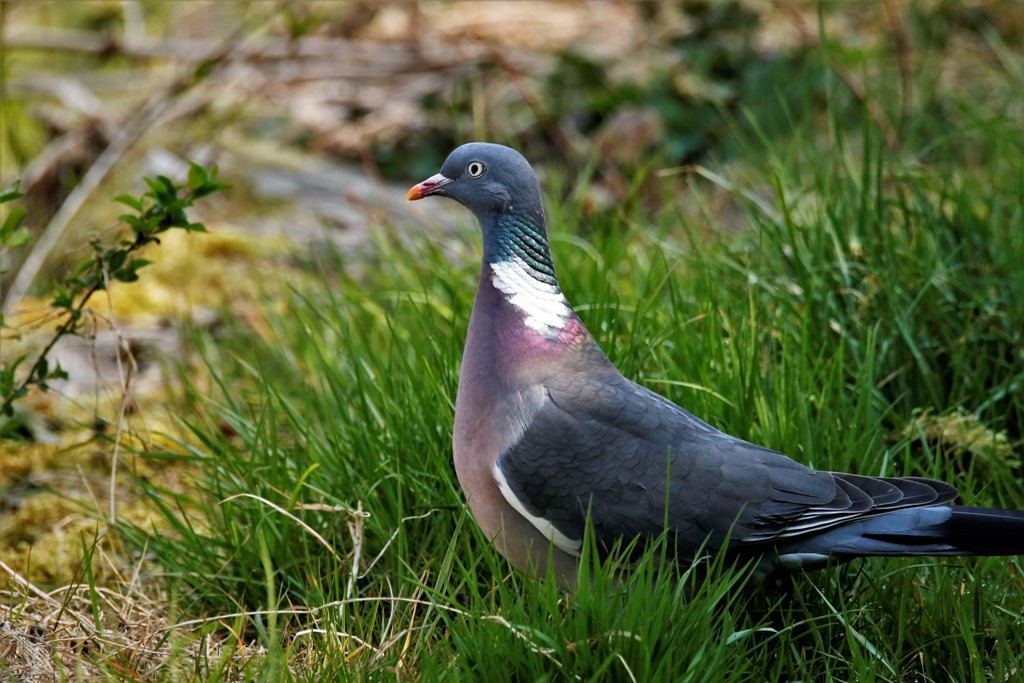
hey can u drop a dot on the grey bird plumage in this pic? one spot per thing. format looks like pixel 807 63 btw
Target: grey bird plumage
pixel 547 432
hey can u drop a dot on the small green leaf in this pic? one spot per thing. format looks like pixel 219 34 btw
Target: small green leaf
pixel 129 273
pixel 61 299
pixel 7 375
pixel 20 238
pixel 134 222
pixel 130 201
pixel 197 176
pixel 209 188
pixel 154 186
pixel 11 224
pixel 168 185
pixel 116 259
pixel 83 266
pixel 86 281
pixel 10 192
pixel 58 372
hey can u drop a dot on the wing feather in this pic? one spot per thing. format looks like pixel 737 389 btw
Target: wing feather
pixel 636 462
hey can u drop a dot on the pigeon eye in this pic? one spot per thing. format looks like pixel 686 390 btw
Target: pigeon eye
pixel 475 169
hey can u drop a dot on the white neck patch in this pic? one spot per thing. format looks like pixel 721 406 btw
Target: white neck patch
pixel 546 308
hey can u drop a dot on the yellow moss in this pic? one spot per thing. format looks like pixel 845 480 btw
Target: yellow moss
pixel 42 539
pixel 194 270
pixel 19 459
pixel 962 434
pixel 41 533
pixel 45 538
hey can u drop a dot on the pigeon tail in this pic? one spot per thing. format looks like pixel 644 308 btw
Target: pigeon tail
pixel 948 530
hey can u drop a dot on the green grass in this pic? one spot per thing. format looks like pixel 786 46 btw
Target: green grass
pixel 327 517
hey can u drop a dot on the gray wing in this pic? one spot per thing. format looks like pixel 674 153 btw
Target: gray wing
pixel 639 463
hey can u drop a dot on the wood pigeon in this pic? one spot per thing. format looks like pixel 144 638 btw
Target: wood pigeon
pixel 548 432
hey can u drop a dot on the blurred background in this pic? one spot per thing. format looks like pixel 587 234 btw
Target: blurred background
pixel 321 113
pixel 321 105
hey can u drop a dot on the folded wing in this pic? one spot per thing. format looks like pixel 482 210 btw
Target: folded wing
pixel 638 464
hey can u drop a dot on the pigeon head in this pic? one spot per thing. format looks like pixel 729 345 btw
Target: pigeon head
pixel 487 179
pixel 498 185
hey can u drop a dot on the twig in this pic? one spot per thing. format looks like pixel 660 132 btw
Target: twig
pixel 50 157
pixel 126 380
pixel 539 110
pixel 28 585
pixel 346 57
pixel 902 45
pixel 65 328
pixel 309 611
pixel 337 634
pixel 278 508
pixel 96 43
pixel 355 529
pixel 391 539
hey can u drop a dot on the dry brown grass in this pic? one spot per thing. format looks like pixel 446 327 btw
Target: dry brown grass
pixel 83 632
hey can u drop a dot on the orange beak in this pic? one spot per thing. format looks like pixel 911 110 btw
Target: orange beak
pixel 431 185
